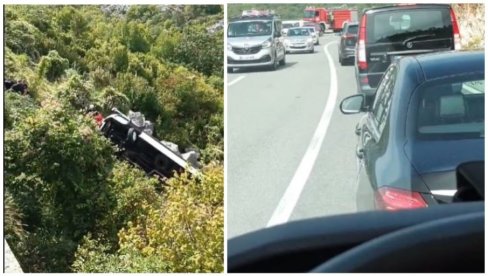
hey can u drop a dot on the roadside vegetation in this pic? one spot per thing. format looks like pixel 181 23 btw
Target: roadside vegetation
pixel 70 205
pixel 471 19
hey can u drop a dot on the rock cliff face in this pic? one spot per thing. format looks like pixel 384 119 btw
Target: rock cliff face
pixel 471 20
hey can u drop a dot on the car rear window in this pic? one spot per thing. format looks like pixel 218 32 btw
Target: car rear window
pixel 402 24
pixel 452 109
pixel 353 29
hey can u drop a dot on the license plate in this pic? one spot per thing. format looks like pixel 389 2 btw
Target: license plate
pixel 246 57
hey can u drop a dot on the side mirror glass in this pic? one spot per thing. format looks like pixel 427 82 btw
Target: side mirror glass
pixel 353 104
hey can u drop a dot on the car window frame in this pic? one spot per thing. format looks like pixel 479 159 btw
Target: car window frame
pixel 387 84
pixel 413 109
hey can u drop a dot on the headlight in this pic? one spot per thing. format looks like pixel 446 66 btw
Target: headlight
pixel 310 40
pixel 229 47
pixel 266 44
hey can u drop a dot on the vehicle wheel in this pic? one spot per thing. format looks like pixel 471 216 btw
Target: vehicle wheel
pixel 131 136
pixel 230 70
pixel 161 163
pixel 341 61
pixel 312 51
pixel 106 128
pixel 275 64
pixel 283 60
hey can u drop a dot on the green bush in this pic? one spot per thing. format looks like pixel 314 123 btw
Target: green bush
pixel 56 166
pixel 52 66
pixel 23 37
pixel 182 233
pixel 17 107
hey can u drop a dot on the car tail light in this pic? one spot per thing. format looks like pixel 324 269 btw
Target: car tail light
pixel 389 198
pixel 455 30
pixel 361 53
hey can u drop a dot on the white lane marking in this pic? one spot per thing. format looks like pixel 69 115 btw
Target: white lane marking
pixel 290 198
pixel 235 81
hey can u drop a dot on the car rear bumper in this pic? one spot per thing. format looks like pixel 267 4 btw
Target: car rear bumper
pixel 301 48
pixel 348 52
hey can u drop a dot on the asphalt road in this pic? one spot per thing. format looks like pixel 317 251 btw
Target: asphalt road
pixel 287 159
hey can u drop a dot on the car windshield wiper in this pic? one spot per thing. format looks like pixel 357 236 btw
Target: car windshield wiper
pixel 415 37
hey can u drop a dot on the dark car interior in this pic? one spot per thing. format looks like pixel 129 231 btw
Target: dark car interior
pixel 447 105
pixel 441 238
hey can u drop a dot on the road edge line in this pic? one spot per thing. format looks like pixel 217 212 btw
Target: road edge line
pixel 238 79
pixel 290 198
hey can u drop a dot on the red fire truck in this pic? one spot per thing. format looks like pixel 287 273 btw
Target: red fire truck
pixel 330 18
pixel 319 16
pixel 338 17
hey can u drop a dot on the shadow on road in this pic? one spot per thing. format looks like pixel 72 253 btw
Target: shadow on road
pixel 264 69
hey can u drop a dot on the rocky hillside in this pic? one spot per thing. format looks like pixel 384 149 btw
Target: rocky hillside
pixel 471 20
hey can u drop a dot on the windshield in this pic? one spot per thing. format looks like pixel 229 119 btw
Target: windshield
pixel 250 28
pixel 352 29
pixel 311 29
pixel 294 155
pixel 452 110
pixel 309 14
pixel 298 32
pixel 287 25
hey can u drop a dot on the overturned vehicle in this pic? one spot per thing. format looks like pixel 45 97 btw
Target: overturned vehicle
pixel 133 135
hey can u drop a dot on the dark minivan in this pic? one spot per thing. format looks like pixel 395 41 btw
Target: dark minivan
pixel 347 46
pixel 386 33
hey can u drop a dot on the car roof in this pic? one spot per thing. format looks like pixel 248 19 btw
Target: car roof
pixel 408 6
pixel 255 18
pixel 447 63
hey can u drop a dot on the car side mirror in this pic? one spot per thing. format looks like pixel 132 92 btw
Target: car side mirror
pixel 353 104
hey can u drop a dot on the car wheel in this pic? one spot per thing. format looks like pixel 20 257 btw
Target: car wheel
pixel 131 136
pixel 341 61
pixel 312 50
pixel 283 60
pixel 275 64
pixel 161 163
pixel 230 70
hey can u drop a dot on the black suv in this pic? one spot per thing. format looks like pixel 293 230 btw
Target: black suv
pixel 142 148
pixel 387 33
pixel 347 46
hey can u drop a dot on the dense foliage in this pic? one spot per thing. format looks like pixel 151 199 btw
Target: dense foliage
pixel 70 204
